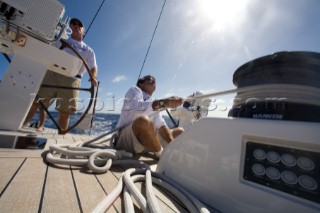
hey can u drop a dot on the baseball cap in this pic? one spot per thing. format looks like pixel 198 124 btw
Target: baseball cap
pixel 76 20
pixel 147 77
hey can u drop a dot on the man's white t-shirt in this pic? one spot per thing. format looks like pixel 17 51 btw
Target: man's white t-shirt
pixel 138 103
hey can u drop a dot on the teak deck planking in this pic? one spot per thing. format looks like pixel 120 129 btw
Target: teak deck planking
pixel 29 184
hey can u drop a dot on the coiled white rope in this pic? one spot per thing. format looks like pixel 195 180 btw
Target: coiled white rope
pixel 97 160
pixel 100 160
pixel 149 204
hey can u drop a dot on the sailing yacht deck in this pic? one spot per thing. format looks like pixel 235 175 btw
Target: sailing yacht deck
pixel 29 184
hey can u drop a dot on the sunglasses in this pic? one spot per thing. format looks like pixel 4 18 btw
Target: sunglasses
pixel 150 81
pixel 76 23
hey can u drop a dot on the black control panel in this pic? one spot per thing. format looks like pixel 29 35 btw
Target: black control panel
pixel 289 170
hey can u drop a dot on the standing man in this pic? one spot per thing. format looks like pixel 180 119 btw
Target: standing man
pixel 66 99
pixel 142 128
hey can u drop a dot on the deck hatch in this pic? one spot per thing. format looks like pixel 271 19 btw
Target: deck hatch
pixel 22 142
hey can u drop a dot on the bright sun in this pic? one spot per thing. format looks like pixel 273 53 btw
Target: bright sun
pixel 223 13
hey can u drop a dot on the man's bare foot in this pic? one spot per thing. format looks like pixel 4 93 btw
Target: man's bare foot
pixel 25 125
pixel 40 129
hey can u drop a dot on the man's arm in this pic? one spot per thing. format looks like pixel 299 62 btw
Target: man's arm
pixel 171 102
pixel 94 72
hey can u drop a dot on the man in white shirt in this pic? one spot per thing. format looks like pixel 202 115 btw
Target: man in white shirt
pixel 66 99
pixel 142 128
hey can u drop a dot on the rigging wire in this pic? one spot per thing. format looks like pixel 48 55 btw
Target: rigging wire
pixel 145 58
pixel 154 32
pixel 94 17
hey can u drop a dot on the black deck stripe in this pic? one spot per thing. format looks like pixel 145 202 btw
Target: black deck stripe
pixel 43 189
pixel 13 176
pixel 100 184
pixel 77 193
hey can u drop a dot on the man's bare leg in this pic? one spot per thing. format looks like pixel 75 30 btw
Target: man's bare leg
pixel 168 134
pixel 64 119
pixel 43 116
pixel 31 113
pixel 177 131
pixel 146 133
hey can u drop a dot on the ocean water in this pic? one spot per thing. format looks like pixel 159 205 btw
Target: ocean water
pixel 102 123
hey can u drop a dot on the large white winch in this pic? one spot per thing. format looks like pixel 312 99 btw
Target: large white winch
pixel 245 164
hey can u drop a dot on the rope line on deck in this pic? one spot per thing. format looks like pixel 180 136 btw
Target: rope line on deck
pixel 97 160
pixel 126 182
pixel 100 160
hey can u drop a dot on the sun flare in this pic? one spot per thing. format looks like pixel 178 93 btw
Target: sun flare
pixel 223 13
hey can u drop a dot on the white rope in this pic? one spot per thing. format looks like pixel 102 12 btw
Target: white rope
pixel 128 204
pixel 105 204
pixel 149 204
pixel 151 197
pixel 292 90
pixel 97 160
pixel 200 206
pixel 179 195
pixel 129 181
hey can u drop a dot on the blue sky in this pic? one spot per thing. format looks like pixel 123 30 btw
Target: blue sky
pixel 198 44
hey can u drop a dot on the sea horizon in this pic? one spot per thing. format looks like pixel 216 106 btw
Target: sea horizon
pixel 102 123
